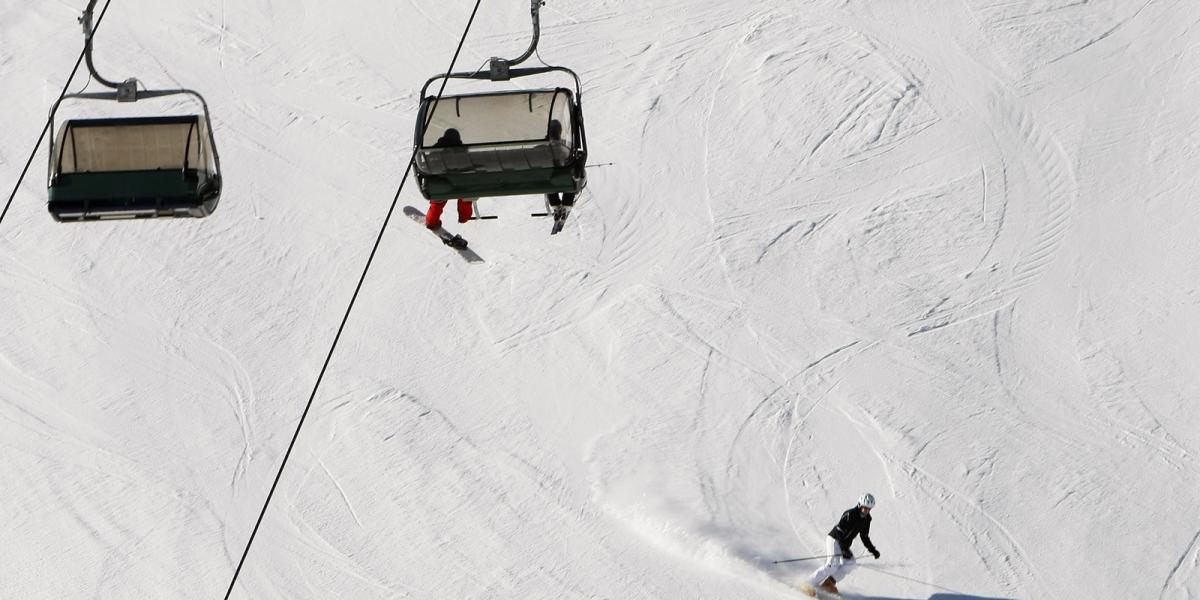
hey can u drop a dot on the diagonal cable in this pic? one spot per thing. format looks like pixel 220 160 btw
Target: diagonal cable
pixel 46 127
pixel 345 318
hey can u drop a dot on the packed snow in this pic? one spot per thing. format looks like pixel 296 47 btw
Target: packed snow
pixel 944 252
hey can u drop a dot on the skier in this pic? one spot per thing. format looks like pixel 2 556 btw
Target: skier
pixel 855 522
pixel 433 217
pixel 558 205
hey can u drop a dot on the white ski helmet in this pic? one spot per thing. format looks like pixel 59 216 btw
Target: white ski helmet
pixel 867 501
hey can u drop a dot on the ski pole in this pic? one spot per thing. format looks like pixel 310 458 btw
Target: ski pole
pixel 780 562
pixel 933 585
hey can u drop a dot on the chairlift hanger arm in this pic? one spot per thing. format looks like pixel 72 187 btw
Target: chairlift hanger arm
pixel 142 95
pixel 127 88
pixel 513 74
pixel 499 68
pixel 535 7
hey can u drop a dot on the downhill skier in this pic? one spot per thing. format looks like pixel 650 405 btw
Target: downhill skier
pixel 855 522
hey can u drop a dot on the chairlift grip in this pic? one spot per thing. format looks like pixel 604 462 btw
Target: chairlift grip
pixel 498 68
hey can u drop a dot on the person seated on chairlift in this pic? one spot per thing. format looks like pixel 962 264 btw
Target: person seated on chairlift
pixel 557 204
pixel 466 207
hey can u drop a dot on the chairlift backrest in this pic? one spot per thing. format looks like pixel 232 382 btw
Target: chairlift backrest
pixel 494 118
pixel 132 144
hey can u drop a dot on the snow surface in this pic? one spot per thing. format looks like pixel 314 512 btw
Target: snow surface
pixel 944 251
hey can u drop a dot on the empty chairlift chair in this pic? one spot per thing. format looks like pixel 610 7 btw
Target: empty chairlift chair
pixel 133 168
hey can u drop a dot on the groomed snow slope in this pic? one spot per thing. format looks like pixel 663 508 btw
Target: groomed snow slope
pixel 941 251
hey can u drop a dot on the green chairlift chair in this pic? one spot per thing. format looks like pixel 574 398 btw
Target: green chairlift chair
pixel 522 142
pixel 133 167
pixel 506 149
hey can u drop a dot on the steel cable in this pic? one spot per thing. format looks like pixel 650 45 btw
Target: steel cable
pixel 46 127
pixel 345 318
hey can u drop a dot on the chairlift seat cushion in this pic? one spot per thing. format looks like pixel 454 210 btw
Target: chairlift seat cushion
pixel 133 194
pixel 512 169
pixel 504 183
pixel 491 158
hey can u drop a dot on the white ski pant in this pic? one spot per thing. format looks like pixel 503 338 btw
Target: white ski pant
pixel 836 566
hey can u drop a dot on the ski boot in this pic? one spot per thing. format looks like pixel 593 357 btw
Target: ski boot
pixel 829 586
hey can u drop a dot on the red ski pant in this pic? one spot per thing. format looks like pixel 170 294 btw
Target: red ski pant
pixel 465 209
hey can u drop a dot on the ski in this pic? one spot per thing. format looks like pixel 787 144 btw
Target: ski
pixel 820 594
pixel 560 218
pixel 457 242
pixel 560 212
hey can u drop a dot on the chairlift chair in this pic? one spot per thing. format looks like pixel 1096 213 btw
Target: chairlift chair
pixel 131 167
pixel 128 168
pixel 507 147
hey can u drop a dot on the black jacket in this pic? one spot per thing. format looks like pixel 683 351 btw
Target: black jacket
pixel 853 523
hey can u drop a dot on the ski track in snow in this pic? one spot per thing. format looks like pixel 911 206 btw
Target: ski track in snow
pixel 1182 570
pixel 937 250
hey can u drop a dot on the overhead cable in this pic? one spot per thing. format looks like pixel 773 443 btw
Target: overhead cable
pixel 328 357
pixel 49 119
